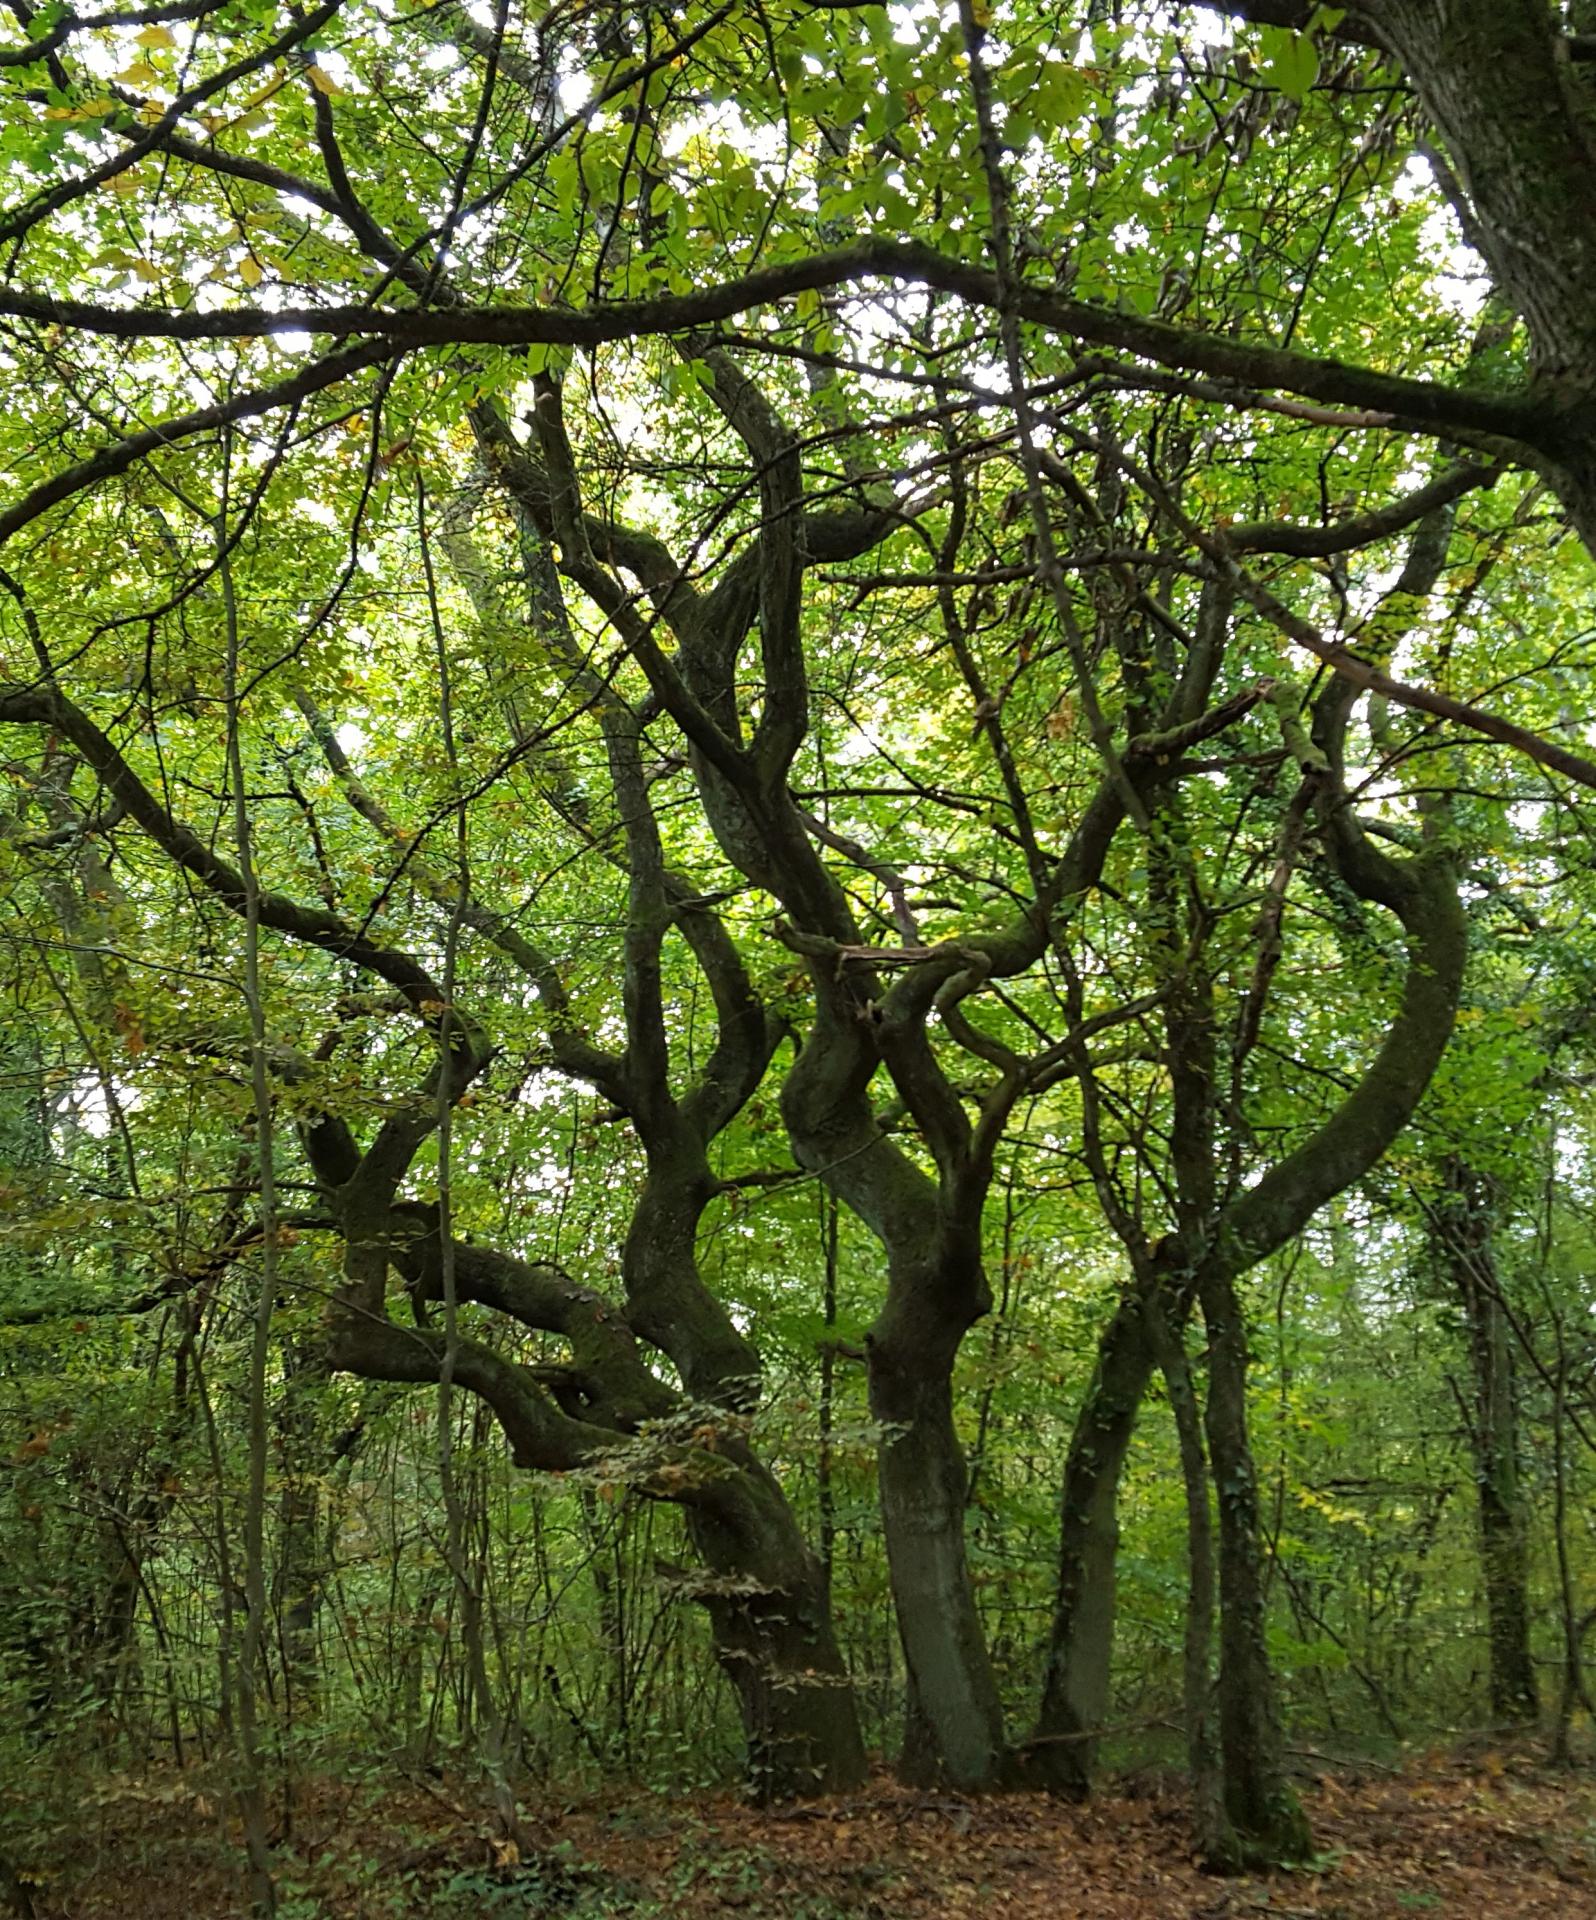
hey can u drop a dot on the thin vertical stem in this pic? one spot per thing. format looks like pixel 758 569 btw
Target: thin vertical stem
pixel 248 1674
pixel 826 1493
pixel 478 1683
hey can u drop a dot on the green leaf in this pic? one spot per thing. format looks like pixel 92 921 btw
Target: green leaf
pixel 1060 96
pixel 1291 62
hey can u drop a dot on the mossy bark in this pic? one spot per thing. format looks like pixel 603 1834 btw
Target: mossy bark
pixel 1062 1753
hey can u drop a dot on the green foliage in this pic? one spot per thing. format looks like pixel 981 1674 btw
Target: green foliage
pixel 507 702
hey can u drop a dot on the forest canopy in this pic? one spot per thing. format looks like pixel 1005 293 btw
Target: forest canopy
pixel 795 828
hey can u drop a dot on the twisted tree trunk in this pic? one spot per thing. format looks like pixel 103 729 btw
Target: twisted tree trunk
pixel 923 1481
pixel 1062 1753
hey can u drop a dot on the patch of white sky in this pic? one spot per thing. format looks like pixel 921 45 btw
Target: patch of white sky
pixel 87 1105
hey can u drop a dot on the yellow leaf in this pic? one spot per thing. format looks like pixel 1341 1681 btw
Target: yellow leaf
pixel 146 270
pixel 140 74
pixel 323 81
pixel 249 271
pixel 265 92
pixel 156 36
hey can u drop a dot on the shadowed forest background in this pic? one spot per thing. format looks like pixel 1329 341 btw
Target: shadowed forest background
pixel 795 856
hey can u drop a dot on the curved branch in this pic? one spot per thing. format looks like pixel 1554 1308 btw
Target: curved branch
pixel 127 452
pixel 540 1435
pixel 782 558
pixel 53 199
pixel 1431 406
pixel 70 23
pixel 542 1296
pixel 314 926
pixel 1423 892
pixel 573 1052
pixel 1362 529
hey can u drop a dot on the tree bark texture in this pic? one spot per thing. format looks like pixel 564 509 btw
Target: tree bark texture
pixel 1493 1435
pixel 922 1477
pixel 1262 1808
pixel 1062 1753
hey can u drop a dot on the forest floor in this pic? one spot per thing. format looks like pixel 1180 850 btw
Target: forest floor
pixel 1485 1836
